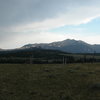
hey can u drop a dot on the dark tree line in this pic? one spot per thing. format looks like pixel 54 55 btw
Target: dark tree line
pixel 58 60
pixel 41 56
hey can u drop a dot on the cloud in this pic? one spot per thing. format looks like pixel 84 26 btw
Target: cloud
pixel 23 12
pixel 29 20
pixel 15 12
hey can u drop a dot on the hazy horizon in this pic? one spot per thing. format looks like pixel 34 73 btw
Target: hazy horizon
pixel 44 21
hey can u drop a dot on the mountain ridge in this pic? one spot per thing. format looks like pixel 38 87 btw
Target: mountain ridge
pixel 68 45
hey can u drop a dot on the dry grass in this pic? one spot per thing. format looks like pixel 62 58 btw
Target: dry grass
pixel 50 82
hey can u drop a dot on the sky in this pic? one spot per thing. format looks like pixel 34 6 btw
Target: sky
pixel 44 21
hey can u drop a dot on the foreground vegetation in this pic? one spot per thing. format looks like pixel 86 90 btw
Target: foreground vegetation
pixel 50 82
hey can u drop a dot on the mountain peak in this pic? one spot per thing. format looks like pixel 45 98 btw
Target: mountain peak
pixel 73 40
pixel 68 45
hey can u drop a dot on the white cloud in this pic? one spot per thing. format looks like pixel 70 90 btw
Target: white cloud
pixel 92 39
pixel 75 16
pixel 46 14
pixel 26 21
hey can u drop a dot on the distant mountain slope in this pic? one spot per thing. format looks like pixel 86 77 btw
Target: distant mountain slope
pixel 96 48
pixel 1 49
pixel 32 52
pixel 68 45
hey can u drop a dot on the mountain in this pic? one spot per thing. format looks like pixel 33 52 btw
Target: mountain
pixel 37 52
pixel 1 49
pixel 32 55
pixel 68 45
pixel 96 48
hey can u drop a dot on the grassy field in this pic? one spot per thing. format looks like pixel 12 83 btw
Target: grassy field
pixel 50 82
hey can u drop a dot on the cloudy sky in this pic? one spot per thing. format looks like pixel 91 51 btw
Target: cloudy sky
pixel 35 21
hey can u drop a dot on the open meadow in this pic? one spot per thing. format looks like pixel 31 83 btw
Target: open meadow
pixel 50 81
